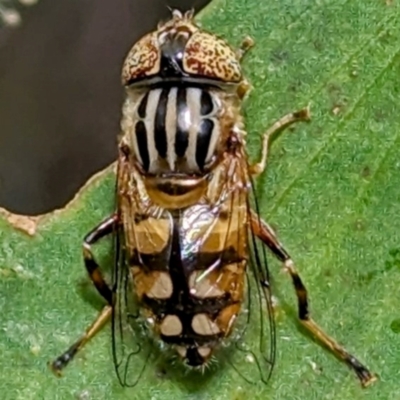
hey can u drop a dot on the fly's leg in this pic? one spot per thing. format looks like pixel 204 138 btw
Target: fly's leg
pixel 265 233
pixel 93 269
pixel 245 46
pixel 284 122
pixel 63 360
pixel 244 86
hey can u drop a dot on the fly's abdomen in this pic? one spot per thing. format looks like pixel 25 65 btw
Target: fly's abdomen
pixel 173 129
pixel 192 288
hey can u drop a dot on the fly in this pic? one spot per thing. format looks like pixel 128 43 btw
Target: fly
pixel 189 240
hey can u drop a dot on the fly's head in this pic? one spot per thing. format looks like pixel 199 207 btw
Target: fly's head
pixel 180 50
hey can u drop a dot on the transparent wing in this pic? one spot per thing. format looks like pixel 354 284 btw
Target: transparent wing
pixel 232 262
pixel 130 348
pixel 259 288
pixel 250 349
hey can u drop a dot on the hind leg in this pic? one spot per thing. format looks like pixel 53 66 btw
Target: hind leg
pixel 96 276
pixel 265 233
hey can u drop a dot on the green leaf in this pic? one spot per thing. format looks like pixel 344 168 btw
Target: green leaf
pixel 332 190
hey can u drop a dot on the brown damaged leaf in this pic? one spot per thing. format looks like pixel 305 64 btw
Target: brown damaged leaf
pixel 23 223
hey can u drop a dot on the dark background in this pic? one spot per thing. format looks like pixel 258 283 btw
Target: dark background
pixel 60 94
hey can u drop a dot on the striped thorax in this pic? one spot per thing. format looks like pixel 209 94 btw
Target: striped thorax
pixel 174 129
pixel 177 134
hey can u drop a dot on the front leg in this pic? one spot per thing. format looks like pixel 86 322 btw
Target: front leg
pixel 284 122
pixel 244 86
pixel 245 46
pixel 265 233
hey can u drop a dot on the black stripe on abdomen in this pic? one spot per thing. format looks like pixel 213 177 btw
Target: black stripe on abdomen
pixel 191 339
pixel 196 262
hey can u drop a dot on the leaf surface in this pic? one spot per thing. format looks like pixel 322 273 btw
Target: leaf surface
pixel 332 190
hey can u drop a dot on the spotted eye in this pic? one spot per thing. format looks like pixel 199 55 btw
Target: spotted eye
pixel 179 50
pixel 143 60
pixel 210 57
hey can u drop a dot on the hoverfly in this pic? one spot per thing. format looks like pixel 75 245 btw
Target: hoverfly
pixel 186 233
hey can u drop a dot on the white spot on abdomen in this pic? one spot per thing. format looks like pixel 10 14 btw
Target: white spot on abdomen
pixel 202 325
pixel 181 351
pixel 204 351
pixel 171 326
pixel 162 287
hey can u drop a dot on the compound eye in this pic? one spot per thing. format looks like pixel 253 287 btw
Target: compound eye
pixel 143 60
pixel 211 57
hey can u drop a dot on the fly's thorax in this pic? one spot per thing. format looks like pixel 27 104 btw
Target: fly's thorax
pixel 176 129
pixel 176 135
